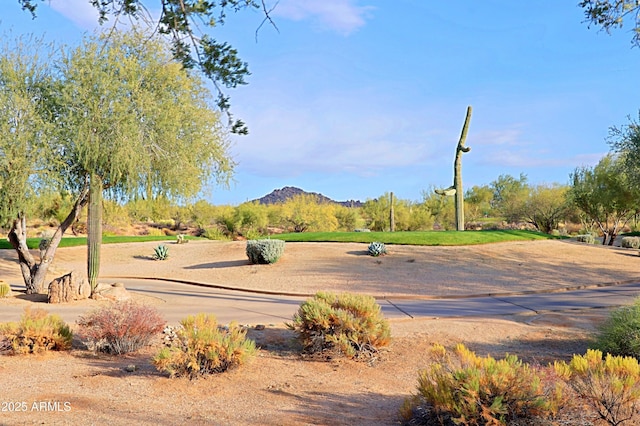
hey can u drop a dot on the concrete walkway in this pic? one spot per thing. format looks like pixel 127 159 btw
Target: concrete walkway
pixel 176 300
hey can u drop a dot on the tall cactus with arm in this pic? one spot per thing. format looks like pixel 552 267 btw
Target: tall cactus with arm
pixel 456 190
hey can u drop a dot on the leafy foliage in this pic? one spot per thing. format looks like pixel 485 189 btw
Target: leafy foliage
pixel 264 251
pixel 37 332
pixel 509 196
pixel 121 328
pixel 611 385
pixel 546 206
pixel 348 324
pixel 620 333
pixel 181 21
pixel 474 390
pixel 605 195
pixel 625 140
pixel 610 14
pixel 203 347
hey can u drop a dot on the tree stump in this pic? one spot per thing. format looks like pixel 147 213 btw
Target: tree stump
pixel 68 288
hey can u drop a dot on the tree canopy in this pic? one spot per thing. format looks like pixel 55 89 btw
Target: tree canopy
pixel 625 141
pixel 186 22
pixel 612 14
pixel 605 195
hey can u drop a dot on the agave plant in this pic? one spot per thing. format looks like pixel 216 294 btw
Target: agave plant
pixel 161 252
pixel 377 249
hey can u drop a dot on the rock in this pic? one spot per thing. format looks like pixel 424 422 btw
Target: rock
pixel 114 292
pixel 68 288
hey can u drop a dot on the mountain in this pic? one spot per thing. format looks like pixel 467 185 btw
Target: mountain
pixel 288 192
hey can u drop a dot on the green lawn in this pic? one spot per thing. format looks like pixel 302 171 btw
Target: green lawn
pixel 33 243
pixel 420 238
pixel 423 238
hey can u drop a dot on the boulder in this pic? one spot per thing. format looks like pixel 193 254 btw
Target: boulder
pixel 114 291
pixel 68 288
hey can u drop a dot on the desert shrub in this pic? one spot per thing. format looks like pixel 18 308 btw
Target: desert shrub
pixel 586 238
pixel 472 390
pixel 611 385
pixel 264 251
pixel 349 324
pixel 161 252
pixel 214 234
pixel 630 242
pixel 377 249
pixel 5 289
pixel 620 333
pixel 120 328
pixel 36 332
pixel 202 347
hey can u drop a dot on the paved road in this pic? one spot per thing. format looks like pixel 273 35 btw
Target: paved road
pixel 176 300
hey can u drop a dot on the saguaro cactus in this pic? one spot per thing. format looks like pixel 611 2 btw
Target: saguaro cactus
pixel 392 216
pixel 94 234
pixel 456 190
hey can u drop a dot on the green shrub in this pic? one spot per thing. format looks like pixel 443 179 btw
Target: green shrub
pixel 630 242
pixel 5 289
pixel 264 251
pixel 472 390
pixel 202 347
pixel 586 238
pixel 121 328
pixel 161 252
pixel 611 385
pixel 37 332
pixel 620 333
pixel 377 249
pixel 214 234
pixel 349 324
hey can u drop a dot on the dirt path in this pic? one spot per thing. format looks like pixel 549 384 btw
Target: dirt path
pixel 278 388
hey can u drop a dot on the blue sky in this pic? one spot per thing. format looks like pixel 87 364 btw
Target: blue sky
pixel 355 98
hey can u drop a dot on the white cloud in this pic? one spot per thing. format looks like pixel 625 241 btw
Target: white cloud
pixel 342 16
pixel 80 12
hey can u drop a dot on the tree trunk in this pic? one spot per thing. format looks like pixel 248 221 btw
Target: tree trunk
pixel 94 230
pixel 34 273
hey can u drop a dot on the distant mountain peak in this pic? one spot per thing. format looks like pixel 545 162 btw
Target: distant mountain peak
pixel 286 193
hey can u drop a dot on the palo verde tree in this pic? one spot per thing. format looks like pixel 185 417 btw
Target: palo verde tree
pixel 605 195
pixel 181 21
pixel 546 206
pixel 137 124
pixel 625 141
pixel 29 149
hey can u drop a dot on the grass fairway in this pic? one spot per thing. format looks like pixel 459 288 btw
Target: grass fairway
pixel 421 238
pixel 33 243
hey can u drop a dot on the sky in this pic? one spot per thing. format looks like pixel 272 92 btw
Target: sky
pixel 356 98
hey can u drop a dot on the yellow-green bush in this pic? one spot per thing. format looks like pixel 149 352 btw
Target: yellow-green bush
pixel 471 390
pixel 5 289
pixel 620 333
pixel 611 385
pixel 349 324
pixel 203 347
pixel 36 332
